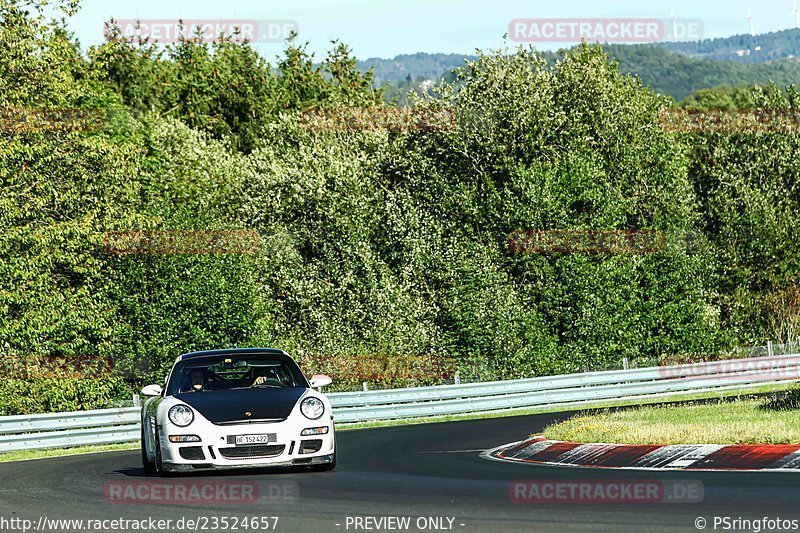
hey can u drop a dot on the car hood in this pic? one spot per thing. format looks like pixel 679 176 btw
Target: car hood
pixel 219 407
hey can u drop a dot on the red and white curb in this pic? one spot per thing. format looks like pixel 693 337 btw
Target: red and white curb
pixel 693 457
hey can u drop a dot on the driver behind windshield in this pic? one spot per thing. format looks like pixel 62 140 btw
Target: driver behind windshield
pixel 197 379
pixel 268 377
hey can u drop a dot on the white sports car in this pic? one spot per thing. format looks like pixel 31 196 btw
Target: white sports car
pixel 249 407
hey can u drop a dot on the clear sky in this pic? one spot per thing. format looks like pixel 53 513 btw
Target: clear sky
pixel 385 28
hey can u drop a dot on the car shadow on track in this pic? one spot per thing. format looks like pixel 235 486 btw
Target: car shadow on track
pixel 272 471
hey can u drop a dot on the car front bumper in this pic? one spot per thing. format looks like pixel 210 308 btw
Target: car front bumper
pixel 217 449
pixel 202 465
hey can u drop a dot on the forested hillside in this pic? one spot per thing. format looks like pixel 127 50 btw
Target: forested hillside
pixel 672 73
pixel 744 48
pixel 678 75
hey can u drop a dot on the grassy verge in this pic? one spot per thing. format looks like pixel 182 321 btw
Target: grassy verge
pixel 600 404
pixel 24 455
pixel 723 422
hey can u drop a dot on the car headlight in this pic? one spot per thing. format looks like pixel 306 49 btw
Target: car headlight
pixel 312 408
pixel 181 415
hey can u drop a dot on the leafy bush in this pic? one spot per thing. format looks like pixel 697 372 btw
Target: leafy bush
pixel 373 242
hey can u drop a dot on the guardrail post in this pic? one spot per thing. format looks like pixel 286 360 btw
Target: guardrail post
pixel 625 363
pixel 769 348
pixel 457 378
pixel 136 401
pixel 366 386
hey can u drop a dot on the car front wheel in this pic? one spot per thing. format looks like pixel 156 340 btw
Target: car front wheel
pixel 159 463
pixel 149 466
pixel 325 467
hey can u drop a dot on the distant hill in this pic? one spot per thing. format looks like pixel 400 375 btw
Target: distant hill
pixel 743 48
pixel 412 72
pixel 679 75
pixel 676 73
pixel 425 66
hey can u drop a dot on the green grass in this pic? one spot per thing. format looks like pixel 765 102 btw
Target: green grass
pixel 24 455
pixel 748 421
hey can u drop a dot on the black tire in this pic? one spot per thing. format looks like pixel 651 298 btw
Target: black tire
pixel 159 463
pixel 326 467
pixel 149 466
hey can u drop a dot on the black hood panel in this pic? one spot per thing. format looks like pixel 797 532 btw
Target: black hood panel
pixel 224 406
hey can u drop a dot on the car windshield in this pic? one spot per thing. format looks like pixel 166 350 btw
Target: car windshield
pixel 228 372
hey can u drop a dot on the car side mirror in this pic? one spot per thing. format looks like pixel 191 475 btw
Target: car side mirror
pixel 152 390
pixel 320 380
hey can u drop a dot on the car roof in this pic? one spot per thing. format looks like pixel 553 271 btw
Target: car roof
pixel 232 351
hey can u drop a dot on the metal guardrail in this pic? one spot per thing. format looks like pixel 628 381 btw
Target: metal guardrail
pixel 108 426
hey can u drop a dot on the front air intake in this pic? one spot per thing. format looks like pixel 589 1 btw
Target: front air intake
pixel 192 453
pixel 310 446
pixel 252 452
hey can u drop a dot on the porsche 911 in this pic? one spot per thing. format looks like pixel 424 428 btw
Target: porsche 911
pixel 237 408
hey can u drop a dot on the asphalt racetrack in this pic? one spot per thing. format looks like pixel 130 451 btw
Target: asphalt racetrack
pixel 432 474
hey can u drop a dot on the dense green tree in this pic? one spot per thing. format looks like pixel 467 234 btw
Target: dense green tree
pixel 746 183
pixel 374 240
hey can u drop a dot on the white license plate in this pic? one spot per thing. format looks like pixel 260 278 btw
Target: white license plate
pixel 252 439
